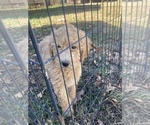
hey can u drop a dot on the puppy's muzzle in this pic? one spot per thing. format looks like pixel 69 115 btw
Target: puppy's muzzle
pixel 65 63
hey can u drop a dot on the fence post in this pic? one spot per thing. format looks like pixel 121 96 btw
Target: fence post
pixel 10 43
pixel 49 88
pixel 147 39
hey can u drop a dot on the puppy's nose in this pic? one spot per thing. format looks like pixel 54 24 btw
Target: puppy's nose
pixel 65 63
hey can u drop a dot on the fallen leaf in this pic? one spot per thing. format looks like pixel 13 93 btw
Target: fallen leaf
pixel 72 122
pixel 98 81
pixel 61 19
pixel 115 100
pixel 100 122
pixel 79 96
pixel 21 94
pixel 129 88
pixel 138 100
pixel 95 63
pixel 98 78
pixel 39 95
pixel 147 86
pixel 18 95
pixel 110 88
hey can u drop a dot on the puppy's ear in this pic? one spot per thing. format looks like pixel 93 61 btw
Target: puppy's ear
pixel 51 53
pixel 46 48
pixel 85 48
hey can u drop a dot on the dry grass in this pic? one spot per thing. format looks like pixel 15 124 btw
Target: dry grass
pixel 94 16
pixel 106 18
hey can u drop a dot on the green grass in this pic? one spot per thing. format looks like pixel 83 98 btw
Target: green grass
pixel 40 22
pixel 101 17
pixel 39 16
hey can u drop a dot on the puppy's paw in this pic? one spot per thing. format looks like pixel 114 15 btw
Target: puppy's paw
pixel 79 96
pixel 70 112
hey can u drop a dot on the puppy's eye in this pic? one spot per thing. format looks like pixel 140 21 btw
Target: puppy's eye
pixel 58 46
pixel 73 47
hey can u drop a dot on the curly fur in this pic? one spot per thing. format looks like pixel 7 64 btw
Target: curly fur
pixel 22 48
pixel 48 49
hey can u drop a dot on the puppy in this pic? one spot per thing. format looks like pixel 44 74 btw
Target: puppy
pixel 22 48
pixel 79 53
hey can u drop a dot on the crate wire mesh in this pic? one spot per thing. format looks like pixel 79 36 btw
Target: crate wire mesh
pixel 120 35
pixel 101 22
pixel 135 60
pixel 13 68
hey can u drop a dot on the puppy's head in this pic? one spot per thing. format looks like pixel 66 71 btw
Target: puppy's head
pixel 62 43
pixel 66 52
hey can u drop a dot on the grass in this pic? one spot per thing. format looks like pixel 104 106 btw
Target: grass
pixel 107 23
pixel 85 109
pixel 137 103
pixel 40 20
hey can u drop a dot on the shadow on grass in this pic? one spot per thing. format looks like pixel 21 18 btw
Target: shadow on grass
pixel 13 13
pixel 57 10
pixel 95 26
pixel 100 32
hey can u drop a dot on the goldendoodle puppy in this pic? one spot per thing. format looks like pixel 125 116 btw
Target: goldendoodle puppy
pixel 22 48
pixel 48 49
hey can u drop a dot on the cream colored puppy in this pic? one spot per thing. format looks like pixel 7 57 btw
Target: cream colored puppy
pixel 48 49
pixel 22 48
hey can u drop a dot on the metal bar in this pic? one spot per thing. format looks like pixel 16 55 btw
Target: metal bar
pixel 146 56
pixel 49 15
pixel 13 79
pixel 63 9
pixel 85 26
pixel 10 43
pixel 34 42
pixel 78 32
